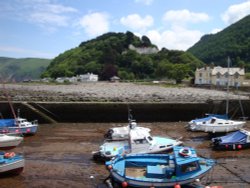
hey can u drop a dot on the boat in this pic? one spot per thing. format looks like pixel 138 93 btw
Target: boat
pixel 191 124
pixel 217 125
pixel 138 142
pixel 233 141
pixel 19 126
pixel 9 141
pixel 11 163
pixel 183 167
pixel 122 133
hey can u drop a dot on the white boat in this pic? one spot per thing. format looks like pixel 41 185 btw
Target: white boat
pixel 217 125
pixel 11 163
pixel 138 142
pixel 9 141
pixel 121 133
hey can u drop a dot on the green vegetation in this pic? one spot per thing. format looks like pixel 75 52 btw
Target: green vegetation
pixel 234 41
pixel 12 69
pixel 110 55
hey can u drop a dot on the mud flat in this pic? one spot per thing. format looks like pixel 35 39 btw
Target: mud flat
pixel 59 155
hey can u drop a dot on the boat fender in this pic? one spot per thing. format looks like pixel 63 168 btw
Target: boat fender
pixel 239 146
pixel 124 184
pixel 177 186
pixel 185 152
pixel 9 155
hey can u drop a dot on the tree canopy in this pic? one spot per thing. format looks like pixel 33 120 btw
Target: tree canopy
pixel 234 41
pixel 109 55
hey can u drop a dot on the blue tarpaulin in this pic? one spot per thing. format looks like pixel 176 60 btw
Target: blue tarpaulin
pixel 7 122
pixel 235 137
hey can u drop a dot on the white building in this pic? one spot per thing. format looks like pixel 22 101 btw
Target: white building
pixel 219 76
pixel 87 77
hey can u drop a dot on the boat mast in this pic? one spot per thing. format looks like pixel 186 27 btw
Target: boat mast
pixel 227 102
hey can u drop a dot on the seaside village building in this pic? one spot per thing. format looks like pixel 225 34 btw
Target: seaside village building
pixel 219 76
pixel 89 77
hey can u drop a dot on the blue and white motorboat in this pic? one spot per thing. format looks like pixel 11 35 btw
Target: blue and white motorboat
pixel 234 141
pixel 183 167
pixel 11 163
pixel 138 142
pixel 9 141
pixel 18 126
pixel 192 125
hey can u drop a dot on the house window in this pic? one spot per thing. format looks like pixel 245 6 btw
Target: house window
pixel 200 74
pixel 236 75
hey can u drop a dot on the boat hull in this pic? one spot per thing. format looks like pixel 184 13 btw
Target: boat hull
pixel 27 130
pixel 12 168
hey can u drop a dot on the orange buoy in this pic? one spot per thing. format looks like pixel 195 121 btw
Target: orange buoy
pixel 124 184
pixel 110 167
pixel 177 186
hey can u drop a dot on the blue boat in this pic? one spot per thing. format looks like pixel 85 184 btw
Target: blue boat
pixel 234 141
pixel 11 163
pixel 18 126
pixel 182 167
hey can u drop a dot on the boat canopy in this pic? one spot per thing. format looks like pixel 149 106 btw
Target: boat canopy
pixel 7 122
pixel 235 137
pixel 210 116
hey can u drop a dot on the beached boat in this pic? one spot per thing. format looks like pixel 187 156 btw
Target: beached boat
pixel 233 141
pixel 190 125
pixel 9 141
pixel 158 170
pixel 217 125
pixel 138 142
pixel 11 163
pixel 18 126
pixel 122 133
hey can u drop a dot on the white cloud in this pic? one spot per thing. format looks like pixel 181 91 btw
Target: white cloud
pixel 43 13
pixel 236 12
pixel 95 23
pixel 177 38
pixel 184 16
pixel 146 2
pixel 136 22
pixel 216 30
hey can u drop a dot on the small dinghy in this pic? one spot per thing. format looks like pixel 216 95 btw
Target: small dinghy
pixel 183 167
pixel 234 141
pixel 9 141
pixel 11 163
pixel 138 142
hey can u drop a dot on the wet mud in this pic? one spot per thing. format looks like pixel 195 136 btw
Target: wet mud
pixel 59 155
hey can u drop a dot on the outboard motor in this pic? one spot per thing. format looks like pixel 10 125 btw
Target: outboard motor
pixel 109 134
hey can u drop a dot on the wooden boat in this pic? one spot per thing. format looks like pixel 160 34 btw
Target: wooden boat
pixel 18 126
pixel 138 142
pixel 11 163
pixel 234 141
pixel 9 141
pixel 158 170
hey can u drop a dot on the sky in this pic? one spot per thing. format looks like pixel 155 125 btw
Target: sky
pixel 46 28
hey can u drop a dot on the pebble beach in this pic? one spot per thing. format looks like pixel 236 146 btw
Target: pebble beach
pixel 113 92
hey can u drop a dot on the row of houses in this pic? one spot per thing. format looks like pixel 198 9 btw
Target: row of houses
pixel 89 77
pixel 219 76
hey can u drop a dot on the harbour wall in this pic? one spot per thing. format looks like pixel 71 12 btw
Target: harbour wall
pixel 52 112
